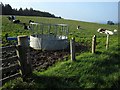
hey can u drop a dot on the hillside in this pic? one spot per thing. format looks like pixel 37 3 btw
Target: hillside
pixel 87 31
pixel 99 70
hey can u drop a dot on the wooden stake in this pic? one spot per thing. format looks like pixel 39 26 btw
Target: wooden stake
pixel 93 43
pixel 107 42
pixel 23 55
pixel 72 49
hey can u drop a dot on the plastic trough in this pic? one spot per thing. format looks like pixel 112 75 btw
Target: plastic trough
pixel 48 42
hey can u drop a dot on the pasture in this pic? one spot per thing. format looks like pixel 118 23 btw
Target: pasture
pixel 99 70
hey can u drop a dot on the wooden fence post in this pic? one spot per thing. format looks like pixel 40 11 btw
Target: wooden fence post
pixel 23 56
pixel 107 42
pixel 72 49
pixel 93 43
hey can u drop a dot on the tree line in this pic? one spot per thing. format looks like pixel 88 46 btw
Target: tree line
pixel 7 10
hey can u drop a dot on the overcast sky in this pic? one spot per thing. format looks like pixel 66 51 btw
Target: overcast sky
pixel 90 10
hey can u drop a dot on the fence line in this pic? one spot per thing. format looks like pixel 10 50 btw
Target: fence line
pixel 8 48
pixel 10 59
pixel 22 67
pixel 23 61
pixel 4 80
pixel 11 67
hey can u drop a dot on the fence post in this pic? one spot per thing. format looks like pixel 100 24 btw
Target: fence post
pixel 93 43
pixel 72 49
pixel 107 42
pixel 23 55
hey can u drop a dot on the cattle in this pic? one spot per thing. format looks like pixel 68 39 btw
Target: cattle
pixel 11 18
pixel 31 21
pixel 105 31
pixel 78 27
pixel 34 23
pixel 101 30
pixel 16 21
pixel 26 27
pixel 115 30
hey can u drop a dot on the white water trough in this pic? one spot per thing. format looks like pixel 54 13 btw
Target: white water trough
pixel 49 41
pixel 45 42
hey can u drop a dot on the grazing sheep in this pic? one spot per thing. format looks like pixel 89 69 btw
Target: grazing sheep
pixel 101 30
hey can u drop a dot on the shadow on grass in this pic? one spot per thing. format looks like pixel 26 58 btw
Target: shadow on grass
pixel 81 47
pixel 108 67
pixel 55 82
pixel 105 69
pixel 109 63
pixel 98 52
pixel 98 74
pixel 98 70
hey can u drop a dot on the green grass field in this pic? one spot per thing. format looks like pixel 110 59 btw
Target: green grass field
pixel 100 70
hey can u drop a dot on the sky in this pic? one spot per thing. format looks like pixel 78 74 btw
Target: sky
pixel 99 11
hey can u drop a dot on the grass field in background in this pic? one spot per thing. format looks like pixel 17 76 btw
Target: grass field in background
pixel 100 70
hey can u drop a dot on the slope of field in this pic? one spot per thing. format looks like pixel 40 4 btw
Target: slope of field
pixel 88 29
pixel 100 70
